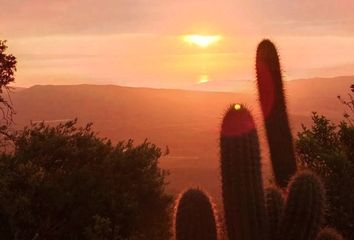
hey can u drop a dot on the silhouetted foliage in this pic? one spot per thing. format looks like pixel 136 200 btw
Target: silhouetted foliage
pixel 7 70
pixel 328 149
pixel 350 106
pixel 64 182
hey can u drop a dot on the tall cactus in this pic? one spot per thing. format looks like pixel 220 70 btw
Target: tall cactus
pixel 329 234
pixel 195 219
pixel 249 213
pixel 275 205
pixel 303 213
pixel 271 94
pixel 246 212
pixel 242 188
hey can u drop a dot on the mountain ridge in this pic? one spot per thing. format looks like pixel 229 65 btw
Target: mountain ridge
pixel 187 121
pixel 250 82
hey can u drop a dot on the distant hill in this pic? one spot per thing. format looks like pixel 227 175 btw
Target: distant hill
pixel 187 121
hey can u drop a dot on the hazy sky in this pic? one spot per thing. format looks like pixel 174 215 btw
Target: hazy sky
pixel 139 42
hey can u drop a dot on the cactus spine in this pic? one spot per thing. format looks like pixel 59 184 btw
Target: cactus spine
pixel 329 234
pixel 242 188
pixel 271 94
pixel 275 205
pixel 195 219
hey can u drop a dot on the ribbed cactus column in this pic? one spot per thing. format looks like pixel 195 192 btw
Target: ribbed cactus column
pixel 271 94
pixel 195 219
pixel 304 208
pixel 329 234
pixel 242 187
pixel 275 205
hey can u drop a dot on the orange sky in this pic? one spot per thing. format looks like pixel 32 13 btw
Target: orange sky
pixel 139 43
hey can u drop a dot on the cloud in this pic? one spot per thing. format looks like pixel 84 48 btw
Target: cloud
pixel 58 17
pixel 302 17
pixel 266 17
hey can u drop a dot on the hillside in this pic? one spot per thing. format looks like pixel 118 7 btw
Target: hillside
pixel 187 121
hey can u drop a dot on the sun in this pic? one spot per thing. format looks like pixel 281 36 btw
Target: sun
pixel 202 41
pixel 204 78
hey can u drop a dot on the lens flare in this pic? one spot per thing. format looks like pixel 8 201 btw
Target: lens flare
pixel 237 106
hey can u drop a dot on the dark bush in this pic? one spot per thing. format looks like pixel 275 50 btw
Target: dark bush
pixel 64 182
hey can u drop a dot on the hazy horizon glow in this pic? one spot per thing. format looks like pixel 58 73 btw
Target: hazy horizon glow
pixel 138 43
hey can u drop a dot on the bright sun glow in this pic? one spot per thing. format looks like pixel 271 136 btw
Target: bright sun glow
pixel 204 78
pixel 202 41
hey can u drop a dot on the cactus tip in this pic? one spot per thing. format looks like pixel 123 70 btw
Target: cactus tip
pixel 237 121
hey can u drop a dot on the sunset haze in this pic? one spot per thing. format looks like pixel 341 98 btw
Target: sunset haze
pixel 140 42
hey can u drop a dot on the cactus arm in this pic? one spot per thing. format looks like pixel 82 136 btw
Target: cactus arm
pixel 242 187
pixel 275 205
pixel 195 218
pixel 303 213
pixel 272 99
pixel 329 234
